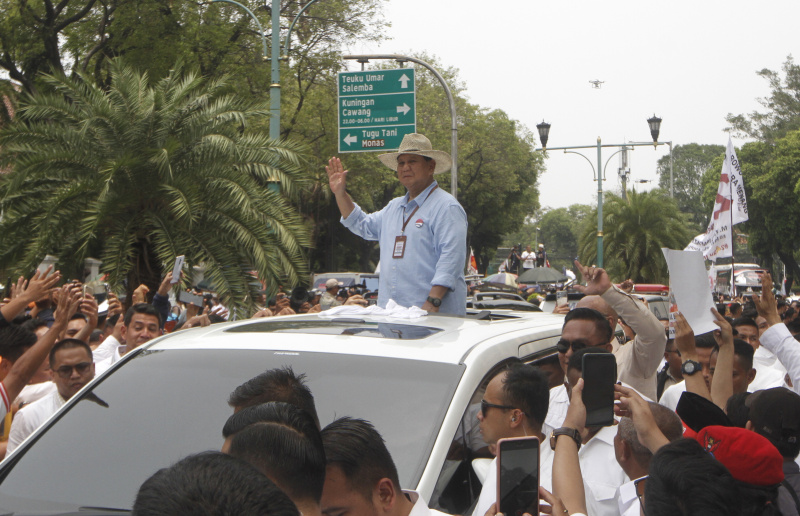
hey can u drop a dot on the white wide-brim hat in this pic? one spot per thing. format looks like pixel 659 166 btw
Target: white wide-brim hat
pixel 418 144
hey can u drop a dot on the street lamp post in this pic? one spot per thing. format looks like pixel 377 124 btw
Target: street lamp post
pixel 274 57
pixel 599 172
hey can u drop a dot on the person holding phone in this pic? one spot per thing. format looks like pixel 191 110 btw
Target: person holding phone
pixel 514 405
pixel 601 473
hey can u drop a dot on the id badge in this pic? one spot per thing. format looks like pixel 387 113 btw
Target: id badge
pixel 399 246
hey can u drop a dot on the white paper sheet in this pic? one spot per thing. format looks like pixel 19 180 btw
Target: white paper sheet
pixel 689 281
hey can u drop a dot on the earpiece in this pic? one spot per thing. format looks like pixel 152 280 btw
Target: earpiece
pixel 513 419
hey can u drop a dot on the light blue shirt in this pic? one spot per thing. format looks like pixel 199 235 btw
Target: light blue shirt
pixel 435 249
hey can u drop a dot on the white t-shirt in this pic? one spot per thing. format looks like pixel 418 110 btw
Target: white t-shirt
pixel 31 417
pixel 602 475
pixel 527 259
pixel 35 392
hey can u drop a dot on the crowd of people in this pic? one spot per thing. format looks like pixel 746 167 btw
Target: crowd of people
pixel 707 424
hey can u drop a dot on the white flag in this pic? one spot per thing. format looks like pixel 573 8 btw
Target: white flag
pixel 730 208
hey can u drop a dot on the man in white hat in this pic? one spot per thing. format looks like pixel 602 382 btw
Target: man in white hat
pixel 422 235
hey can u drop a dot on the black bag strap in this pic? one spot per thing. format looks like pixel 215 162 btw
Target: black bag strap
pixel 792 492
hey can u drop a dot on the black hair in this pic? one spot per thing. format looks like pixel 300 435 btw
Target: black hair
pixel 211 484
pixel 576 360
pixel 705 340
pixel 142 308
pixel 68 344
pixel 685 480
pixel 286 446
pixel 737 411
pixel 794 326
pixel 745 352
pixel 721 308
pixel 14 341
pixel 358 450
pixel 744 321
pixel 279 384
pixel 749 311
pixel 79 316
pixel 34 324
pixel 602 326
pixel 525 387
pixel 734 307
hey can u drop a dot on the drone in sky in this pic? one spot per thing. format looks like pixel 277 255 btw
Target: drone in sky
pixel 596 84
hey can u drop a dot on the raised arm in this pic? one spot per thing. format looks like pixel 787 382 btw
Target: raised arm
pixel 567 478
pixel 684 341
pixel 29 362
pixel 777 337
pixel 722 380
pixel 337 179
pixel 27 292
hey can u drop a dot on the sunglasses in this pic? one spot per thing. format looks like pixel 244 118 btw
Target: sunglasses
pixel 66 371
pixel 563 345
pixel 485 406
pixel 639 486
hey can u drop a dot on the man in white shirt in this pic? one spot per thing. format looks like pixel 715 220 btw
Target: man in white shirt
pixel 602 475
pixel 528 258
pixel 142 323
pixel 771 372
pixel 72 368
pixel 634 458
pixel 360 477
pixel 514 405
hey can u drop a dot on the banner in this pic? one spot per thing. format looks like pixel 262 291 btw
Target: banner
pixel 730 208
pixel 473 265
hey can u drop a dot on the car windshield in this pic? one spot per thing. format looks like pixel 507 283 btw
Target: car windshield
pixel 161 406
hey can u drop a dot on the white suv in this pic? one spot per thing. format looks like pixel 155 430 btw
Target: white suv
pixel 418 381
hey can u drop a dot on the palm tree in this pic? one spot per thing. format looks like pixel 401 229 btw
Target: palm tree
pixel 634 231
pixel 139 173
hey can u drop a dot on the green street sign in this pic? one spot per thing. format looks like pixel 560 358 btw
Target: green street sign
pixel 376 109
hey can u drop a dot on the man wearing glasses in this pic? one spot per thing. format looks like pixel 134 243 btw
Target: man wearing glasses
pixel 514 405
pixel 72 367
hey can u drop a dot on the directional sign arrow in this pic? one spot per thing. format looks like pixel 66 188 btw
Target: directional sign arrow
pixel 350 139
pixel 403 109
pixel 404 81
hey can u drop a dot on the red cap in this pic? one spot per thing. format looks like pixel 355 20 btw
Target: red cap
pixel 749 457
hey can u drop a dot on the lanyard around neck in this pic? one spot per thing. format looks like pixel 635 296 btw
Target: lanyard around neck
pixel 406 221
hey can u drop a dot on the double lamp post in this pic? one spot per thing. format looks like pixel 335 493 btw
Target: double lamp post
pixel 599 172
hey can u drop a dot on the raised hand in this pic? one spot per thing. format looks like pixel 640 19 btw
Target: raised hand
pixel 40 284
pixel 337 176
pixel 597 280
pixel 765 303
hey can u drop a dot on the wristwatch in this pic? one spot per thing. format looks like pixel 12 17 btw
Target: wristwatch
pixel 435 301
pixel 690 367
pixel 572 432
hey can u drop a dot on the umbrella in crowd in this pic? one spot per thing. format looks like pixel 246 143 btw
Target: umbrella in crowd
pixel 542 275
pixel 502 278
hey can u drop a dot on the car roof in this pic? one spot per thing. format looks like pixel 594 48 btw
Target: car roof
pixel 451 341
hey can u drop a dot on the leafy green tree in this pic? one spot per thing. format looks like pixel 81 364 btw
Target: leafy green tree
pixel 771 175
pixel 690 163
pixel 634 231
pixel 140 173
pixel 782 107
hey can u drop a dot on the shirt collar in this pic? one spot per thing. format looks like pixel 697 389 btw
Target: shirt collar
pixel 423 196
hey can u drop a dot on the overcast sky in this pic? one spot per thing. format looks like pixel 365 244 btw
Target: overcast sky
pixel 690 63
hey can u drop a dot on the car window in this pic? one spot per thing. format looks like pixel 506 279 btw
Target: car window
pixel 339 326
pixel 459 485
pixel 161 406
